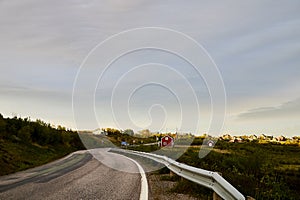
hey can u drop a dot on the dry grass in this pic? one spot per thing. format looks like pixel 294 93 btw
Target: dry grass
pixel 161 189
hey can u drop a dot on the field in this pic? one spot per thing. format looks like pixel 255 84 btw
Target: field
pixel 262 171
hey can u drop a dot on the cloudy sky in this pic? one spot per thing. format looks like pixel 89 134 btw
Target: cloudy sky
pixel 254 44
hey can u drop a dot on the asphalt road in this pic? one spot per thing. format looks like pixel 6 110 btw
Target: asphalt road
pixel 78 176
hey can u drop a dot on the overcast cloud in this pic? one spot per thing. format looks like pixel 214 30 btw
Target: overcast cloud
pixel 288 110
pixel 255 45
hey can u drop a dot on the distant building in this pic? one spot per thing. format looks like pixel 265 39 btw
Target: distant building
pixel 226 137
pixel 262 137
pixel 281 138
pixel 99 132
pixel 252 137
pixel 236 139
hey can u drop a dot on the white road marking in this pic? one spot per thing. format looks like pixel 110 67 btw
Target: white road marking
pixel 144 182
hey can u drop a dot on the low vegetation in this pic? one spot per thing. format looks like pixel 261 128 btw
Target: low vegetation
pixel 263 171
pixel 116 137
pixel 25 144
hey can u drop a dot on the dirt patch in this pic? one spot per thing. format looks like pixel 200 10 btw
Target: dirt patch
pixel 223 151
pixel 160 189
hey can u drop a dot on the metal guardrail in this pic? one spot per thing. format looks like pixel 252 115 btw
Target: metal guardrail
pixel 203 177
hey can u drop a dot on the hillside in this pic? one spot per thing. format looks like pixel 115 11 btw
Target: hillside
pixel 25 143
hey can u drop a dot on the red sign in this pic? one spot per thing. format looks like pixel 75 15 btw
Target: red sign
pixel 167 141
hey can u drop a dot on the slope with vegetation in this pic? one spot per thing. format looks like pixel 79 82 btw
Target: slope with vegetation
pixel 25 144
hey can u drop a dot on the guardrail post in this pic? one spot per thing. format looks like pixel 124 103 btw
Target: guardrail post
pixel 171 173
pixel 215 195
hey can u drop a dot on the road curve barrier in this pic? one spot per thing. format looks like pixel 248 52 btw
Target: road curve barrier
pixel 206 178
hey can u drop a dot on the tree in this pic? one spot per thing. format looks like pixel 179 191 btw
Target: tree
pixel 128 132
pixel 2 126
pixel 112 131
pixel 25 133
pixel 145 133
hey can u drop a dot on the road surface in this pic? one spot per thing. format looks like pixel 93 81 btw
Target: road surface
pixel 78 176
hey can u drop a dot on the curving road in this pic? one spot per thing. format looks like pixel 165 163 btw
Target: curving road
pixel 78 176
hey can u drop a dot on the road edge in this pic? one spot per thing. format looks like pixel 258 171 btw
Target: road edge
pixel 144 182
